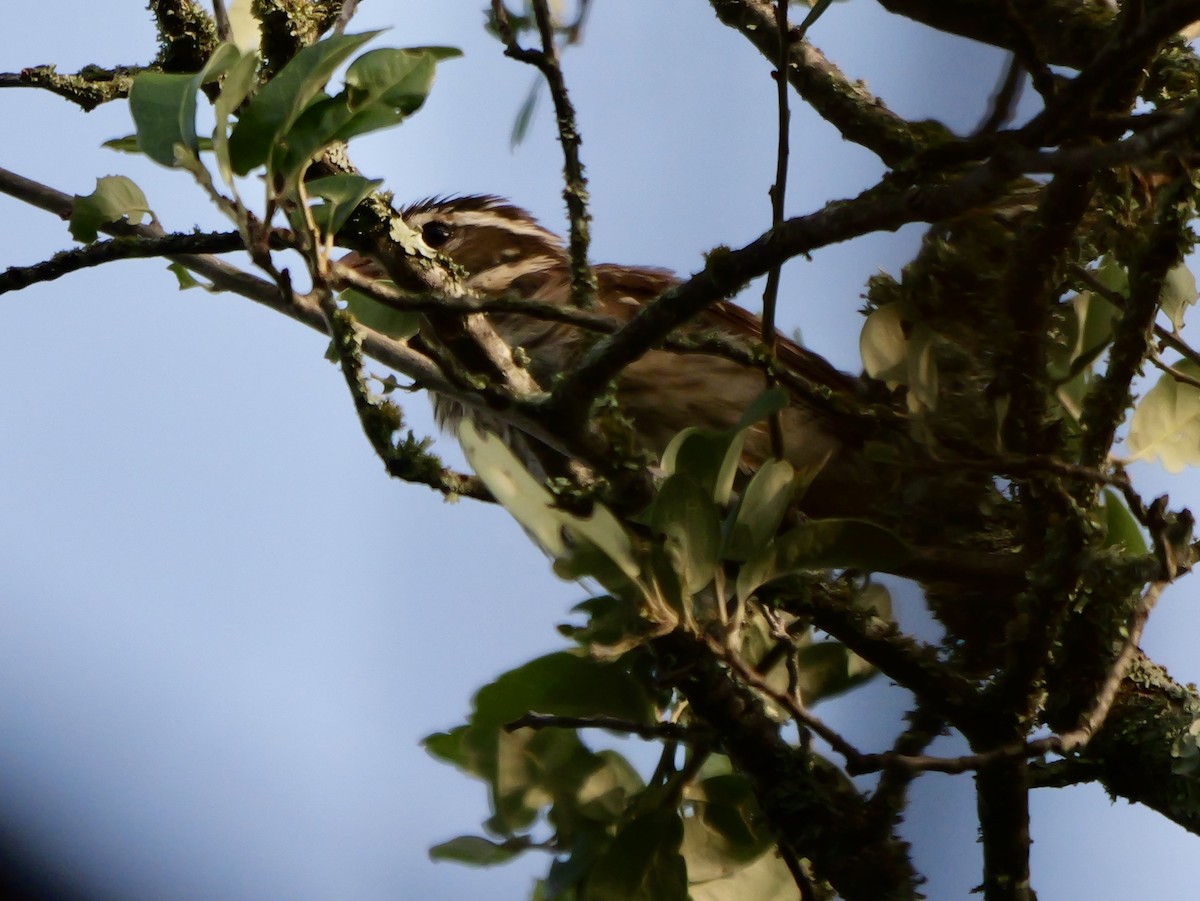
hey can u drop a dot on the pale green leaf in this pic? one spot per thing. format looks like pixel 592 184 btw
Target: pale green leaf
pixel 761 510
pixel 115 198
pixel 883 344
pixel 566 537
pixel 1178 293
pixel 684 514
pixel 1166 422
pixel 235 88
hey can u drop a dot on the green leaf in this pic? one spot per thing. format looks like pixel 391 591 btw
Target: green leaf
pixel 239 81
pixel 839 544
pixel 642 863
pixel 829 668
pixel 1178 293
pixel 883 343
pixel 400 79
pixel 163 106
pixel 371 313
pixel 343 192
pixel 475 851
pixel 725 831
pixel 164 110
pixel 451 747
pixel 383 87
pixel 756 572
pixel 273 110
pixel 1166 422
pixel 1120 527
pixel 708 457
pixel 770 402
pixel 185 278
pixel 525 114
pixel 115 198
pixel 684 514
pixel 562 684
pixel 529 769
pixel 568 538
pixel 765 879
pixel 604 794
pixel 763 504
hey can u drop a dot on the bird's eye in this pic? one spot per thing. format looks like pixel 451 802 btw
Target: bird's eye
pixel 436 233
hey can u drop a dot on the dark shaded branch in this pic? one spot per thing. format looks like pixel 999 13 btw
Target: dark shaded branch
pixel 124 248
pixel 1002 800
pixel 651 732
pixel 728 270
pixel 1004 101
pixel 1164 247
pixel 1070 33
pixel 813 810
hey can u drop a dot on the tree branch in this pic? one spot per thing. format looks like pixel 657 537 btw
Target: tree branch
pixel 857 114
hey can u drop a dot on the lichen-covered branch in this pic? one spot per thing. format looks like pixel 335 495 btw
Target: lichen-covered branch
pixel 854 111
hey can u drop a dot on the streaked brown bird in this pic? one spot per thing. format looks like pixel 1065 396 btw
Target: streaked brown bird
pixel 506 253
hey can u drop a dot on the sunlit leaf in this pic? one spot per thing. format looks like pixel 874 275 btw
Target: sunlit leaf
pixel 115 198
pixel 271 112
pixel 765 879
pixel 1178 293
pixel 883 344
pixel 604 794
pixel 566 537
pixel 1166 422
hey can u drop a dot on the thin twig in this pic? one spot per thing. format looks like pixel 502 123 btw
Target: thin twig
pixel 855 112
pixel 124 248
pixel 1004 101
pixel 349 8
pixel 778 194
pixel 583 278
pixel 794 708
pixel 649 731
pixel 303 308
pixel 221 15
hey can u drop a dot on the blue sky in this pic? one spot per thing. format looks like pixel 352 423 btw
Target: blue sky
pixel 223 629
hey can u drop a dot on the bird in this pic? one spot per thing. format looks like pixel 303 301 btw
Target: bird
pixel 505 252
